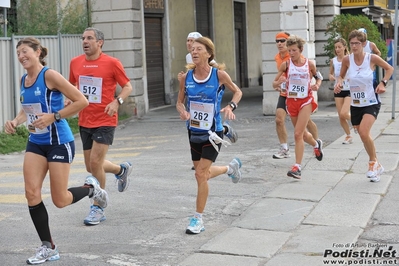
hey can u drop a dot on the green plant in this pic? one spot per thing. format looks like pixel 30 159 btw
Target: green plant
pixel 37 17
pixel 343 24
pixel 9 31
pixel 123 117
pixel 73 124
pixel 74 17
pixel 13 142
pixel 48 17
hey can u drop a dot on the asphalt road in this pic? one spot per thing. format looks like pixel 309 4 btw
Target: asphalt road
pixel 146 224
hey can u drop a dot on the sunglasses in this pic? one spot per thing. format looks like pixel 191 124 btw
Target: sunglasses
pixel 282 41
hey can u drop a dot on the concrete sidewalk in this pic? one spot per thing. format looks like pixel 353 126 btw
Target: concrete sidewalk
pixel 310 222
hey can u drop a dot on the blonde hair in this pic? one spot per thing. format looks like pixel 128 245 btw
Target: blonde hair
pixel 343 42
pixel 293 39
pixel 210 48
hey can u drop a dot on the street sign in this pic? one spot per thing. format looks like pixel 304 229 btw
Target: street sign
pixel 5 3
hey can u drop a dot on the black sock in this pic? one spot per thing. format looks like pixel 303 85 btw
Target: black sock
pixel 79 193
pixel 121 171
pixel 225 130
pixel 39 217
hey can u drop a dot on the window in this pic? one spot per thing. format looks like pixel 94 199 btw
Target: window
pixel 203 17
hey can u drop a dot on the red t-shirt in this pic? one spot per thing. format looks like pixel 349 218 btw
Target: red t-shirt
pixel 97 79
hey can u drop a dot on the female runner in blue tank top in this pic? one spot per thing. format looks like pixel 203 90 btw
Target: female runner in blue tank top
pixel 50 147
pixel 358 68
pixel 199 103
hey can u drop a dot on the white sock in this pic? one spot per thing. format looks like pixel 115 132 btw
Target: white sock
pixel 298 165
pixel 198 215
pixel 284 146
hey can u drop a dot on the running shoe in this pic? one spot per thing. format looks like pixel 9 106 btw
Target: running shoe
pixel 196 226
pixel 235 164
pixel 96 215
pixel 295 172
pixel 44 254
pixel 123 179
pixel 318 152
pixel 99 194
pixel 283 153
pixel 231 134
pixel 348 140
pixel 375 171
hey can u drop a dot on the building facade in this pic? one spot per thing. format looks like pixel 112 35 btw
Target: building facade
pixel 149 37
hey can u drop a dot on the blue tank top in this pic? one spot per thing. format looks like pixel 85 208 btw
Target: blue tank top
pixel 49 101
pixel 204 100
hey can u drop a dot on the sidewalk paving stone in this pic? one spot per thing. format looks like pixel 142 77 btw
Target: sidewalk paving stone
pixel 310 239
pixel 274 214
pixel 343 208
pixel 244 242
pixel 218 260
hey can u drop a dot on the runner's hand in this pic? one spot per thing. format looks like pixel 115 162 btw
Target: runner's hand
pixel 112 108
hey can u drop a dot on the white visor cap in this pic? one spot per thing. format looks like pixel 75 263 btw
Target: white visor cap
pixel 194 35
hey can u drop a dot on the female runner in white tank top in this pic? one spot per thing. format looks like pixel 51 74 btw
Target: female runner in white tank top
pixel 358 67
pixel 342 99
pixel 300 102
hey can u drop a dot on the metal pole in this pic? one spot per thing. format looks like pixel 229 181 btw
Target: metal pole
pixel 60 54
pixel 15 91
pixel 395 59
pixel 5 21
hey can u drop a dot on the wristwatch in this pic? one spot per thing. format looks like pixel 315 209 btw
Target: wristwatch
pixel 57 116
pixel 385 82
pixel 233 105
pixel 120 100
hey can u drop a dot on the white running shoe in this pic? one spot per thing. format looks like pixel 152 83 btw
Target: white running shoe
pixel 348 140
pixel 196 226
pixel 124 180
pixel 282 153
pixel 99 194
pixel 96 215
pixel 375 171
pixel 44 254
pixel 231 134
pixel 235 164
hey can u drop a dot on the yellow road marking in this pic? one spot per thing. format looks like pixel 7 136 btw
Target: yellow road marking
pixel 135 148
pixel 13 173
pixel 78 171
pixel 110 154
pixel 146 137
pixel 119 155
pixel 152 141
pixel 21 184
pixel 17 198
pixel 77 162
pixel 5 215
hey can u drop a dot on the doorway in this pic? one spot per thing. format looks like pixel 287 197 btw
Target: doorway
pixel 240 44
pixel 154 60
